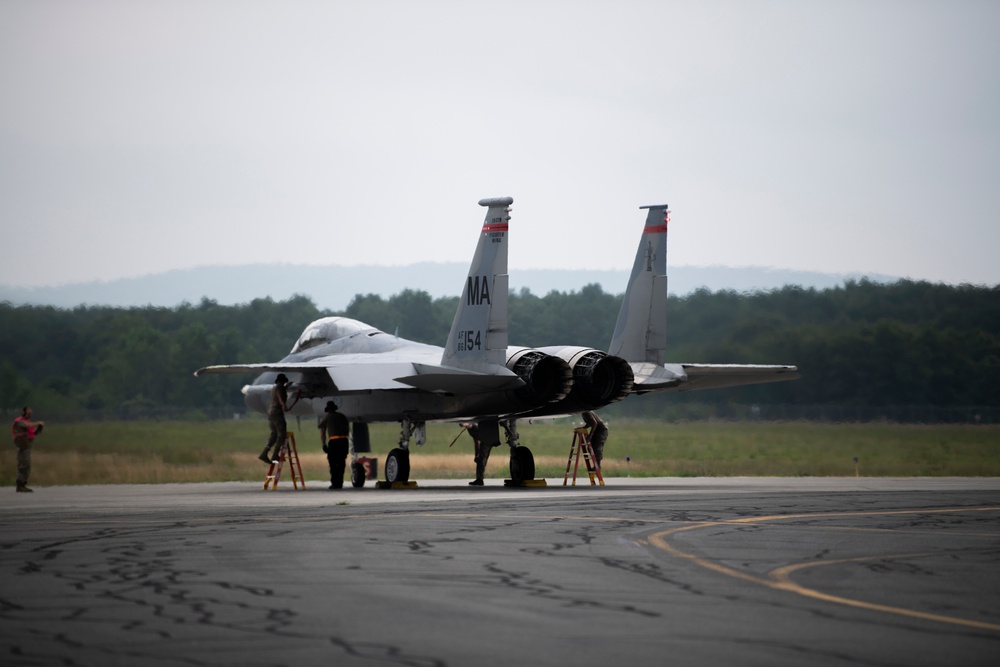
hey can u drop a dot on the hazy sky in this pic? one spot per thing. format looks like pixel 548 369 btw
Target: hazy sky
pixel 840 136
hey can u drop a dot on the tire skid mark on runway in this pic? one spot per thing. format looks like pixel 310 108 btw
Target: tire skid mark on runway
pixel 147 596
pixel 780 578
pixel 495 574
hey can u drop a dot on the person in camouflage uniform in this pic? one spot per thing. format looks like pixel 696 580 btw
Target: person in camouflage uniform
pixel 598 434
pixel 24 431
pixel 276 418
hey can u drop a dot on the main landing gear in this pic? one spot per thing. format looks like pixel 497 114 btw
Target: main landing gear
pixel 397 464
pixel 522 462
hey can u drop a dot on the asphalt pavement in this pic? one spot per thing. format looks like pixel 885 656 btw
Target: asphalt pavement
pixel 693 571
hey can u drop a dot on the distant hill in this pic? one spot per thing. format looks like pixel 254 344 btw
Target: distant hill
pixel 333 287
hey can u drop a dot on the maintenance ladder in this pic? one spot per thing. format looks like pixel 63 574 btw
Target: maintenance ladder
pixel 581 445
pixel 291 452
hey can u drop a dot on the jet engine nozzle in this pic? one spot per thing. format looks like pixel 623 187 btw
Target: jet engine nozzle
pixel 546 378
pixel 598 377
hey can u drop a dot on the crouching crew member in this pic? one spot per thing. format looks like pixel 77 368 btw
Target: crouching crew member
pixel 598 435
pixel 334 433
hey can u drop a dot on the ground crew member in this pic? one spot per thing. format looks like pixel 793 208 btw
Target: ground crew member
pixel 24 431
pixel 481 451
pixel 276 418
pixel 334 431
pixel 598 434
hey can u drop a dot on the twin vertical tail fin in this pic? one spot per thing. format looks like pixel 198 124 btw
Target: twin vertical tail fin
pixel 641 331
pixel 478 338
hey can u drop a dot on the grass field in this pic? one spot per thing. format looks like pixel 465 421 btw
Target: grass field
pixel 161 452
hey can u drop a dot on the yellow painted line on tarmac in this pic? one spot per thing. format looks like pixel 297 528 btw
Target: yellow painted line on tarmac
pixel 783 581
pixel 659 540
pixel 827 515
pixel 780 578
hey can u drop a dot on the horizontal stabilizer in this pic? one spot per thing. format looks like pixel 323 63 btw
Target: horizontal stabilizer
pixel 717 376
pixel 649 377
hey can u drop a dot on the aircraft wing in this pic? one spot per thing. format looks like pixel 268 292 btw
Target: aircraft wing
pixel 277 367
pixel 359 376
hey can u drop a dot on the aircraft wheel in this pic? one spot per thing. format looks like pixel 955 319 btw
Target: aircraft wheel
pixel 397 466
pixel 522 464
pixel 357 475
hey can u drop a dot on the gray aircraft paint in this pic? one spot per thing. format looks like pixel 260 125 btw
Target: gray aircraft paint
pixel 478 337
pixel 640 335
pixel 641 330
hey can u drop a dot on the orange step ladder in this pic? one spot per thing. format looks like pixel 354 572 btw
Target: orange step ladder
pixel 581 446
pixel 290 452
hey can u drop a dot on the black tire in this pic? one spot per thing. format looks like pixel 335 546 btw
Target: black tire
pixel 357 475
pixel 522 465
pixel 397 466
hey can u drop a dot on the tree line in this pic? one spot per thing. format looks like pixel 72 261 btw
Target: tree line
pixel 860 344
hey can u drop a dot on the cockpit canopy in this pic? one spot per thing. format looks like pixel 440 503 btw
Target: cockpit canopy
pixel 327 329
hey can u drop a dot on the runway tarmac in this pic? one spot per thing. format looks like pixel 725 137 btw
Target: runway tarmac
pixel 693 571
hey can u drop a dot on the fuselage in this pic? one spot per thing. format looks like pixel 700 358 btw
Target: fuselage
pixel 364 350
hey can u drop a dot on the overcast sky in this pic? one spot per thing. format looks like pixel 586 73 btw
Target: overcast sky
pixel 840 136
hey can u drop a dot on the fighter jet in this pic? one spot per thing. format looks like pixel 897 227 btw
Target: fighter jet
pixel 378 377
